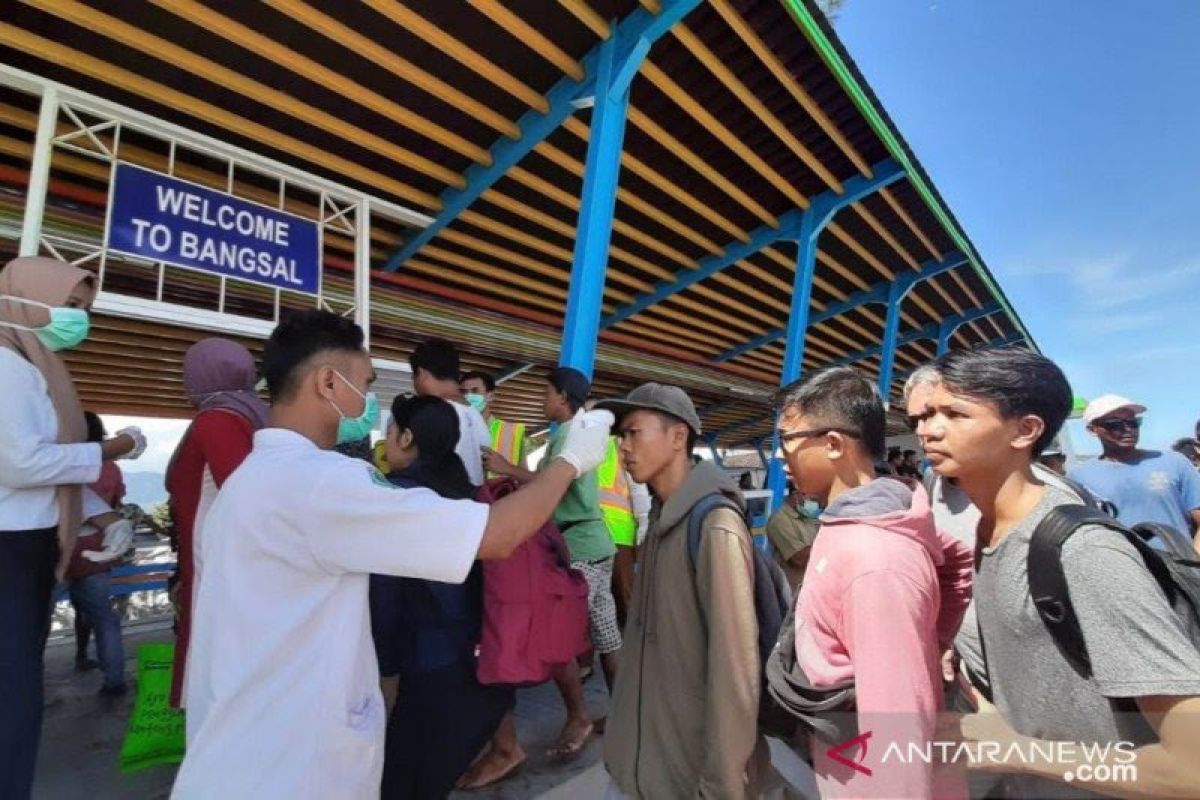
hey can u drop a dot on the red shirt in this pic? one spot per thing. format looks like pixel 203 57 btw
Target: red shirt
pixel 110 487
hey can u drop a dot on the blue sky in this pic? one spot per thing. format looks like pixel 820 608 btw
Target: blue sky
pixel 1064 137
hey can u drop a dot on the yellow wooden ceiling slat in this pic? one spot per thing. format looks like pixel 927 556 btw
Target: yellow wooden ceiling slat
pixel 400 67
pixel 700 165
pixel 467 56
pixel 789 82
pixel 669 187
pixel 318 73
pixel 523 295
pixel 584 13
pixel 509 232
pixel 673 90
pixel 529 35
pixel 885 234
pixel 860 250
pixel 725 75
pixel 907 219
pixel 92 67
pixel 171 53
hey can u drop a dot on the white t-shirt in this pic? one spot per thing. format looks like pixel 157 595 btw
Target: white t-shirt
pixel 283 687
pixel 473 435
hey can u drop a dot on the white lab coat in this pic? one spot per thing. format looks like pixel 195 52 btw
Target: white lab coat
pixel 283 687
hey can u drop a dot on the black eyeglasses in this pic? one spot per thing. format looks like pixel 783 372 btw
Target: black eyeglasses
pixel 1115 425
pixel 795 436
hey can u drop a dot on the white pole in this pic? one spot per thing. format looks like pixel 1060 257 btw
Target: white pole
pixel 362 271
pixel 39 173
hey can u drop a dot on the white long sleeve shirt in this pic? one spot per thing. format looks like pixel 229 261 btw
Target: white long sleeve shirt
pixel 283 692
pixel 32 461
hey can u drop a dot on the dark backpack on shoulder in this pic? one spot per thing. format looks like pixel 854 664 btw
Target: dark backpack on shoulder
pixel 772 598
pixel 1176 571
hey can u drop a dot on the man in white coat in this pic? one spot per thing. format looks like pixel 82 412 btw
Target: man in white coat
pixel 283 694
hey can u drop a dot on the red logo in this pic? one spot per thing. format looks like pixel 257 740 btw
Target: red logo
pixel 838 753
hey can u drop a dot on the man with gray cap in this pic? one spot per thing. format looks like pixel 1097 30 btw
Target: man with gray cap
pixel 684 715
pixel 1145 485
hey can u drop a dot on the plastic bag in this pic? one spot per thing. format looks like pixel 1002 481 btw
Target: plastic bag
pixel 156 731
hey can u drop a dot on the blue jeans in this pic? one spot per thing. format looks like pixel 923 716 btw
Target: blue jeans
pixel 92 597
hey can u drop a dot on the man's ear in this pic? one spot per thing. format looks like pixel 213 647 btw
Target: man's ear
pixel 405 440
pixel 323 379
pixel 836 445
pixel 1029 429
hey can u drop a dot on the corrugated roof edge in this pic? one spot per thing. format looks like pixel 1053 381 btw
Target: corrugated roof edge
pixel 821 35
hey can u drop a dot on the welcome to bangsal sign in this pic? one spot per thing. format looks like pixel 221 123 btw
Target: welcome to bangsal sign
pixel 157 217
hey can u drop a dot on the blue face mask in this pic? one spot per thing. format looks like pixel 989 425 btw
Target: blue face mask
pixel 477 402
pixel 355 429
pixel 66 329
pixel 811 509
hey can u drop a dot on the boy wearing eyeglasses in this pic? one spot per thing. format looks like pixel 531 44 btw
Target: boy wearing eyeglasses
pixel 1145 485
pixel 884 591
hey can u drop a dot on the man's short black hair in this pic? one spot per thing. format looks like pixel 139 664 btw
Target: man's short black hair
pixel 300 336
pixel 1020 382
pixel 908 453
pixel 438 357
pixel 488 381
pixel 840 397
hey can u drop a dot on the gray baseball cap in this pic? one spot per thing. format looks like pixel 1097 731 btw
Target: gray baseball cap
pixel 656 397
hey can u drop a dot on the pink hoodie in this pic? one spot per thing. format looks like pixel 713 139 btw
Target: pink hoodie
pixel 882 598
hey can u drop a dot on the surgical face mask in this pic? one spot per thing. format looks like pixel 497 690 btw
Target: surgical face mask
pixel 354 429
pixel 477 402
pixel 66 329
pixel 811 509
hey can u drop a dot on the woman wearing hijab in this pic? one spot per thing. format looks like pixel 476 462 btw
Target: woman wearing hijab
pixel 218 379
pixel 45 461
pixel 426 632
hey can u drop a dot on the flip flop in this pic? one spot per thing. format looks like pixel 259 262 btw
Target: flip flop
pixel 567 750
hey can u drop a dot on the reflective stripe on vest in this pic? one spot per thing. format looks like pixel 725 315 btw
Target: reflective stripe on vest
pixel 615 502
pixel 508 439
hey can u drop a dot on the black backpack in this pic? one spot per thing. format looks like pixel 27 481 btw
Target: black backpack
pixel 772 597
pixel 1176 571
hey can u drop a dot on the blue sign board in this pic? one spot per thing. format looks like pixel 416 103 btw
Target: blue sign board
pixel 157 217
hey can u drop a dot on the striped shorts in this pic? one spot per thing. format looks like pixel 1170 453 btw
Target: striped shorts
pixel 602 609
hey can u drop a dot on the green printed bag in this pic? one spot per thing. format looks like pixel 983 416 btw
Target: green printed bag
pixel 156 731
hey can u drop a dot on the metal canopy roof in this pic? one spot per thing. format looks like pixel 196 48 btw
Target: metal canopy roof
pixel 741 116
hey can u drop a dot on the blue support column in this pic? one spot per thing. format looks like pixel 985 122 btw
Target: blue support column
pixel 716 454
pixel 891 332
pixel 594 231
pixel 945 331
pixel 762 454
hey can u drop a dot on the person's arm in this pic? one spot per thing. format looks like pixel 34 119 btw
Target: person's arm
pixel 888 635
pixel 725 583
pixel 1189 491
pixel 518 516
pixel 1148 657
pixel 356 521
pixel 28 461
pixel 494 462
pixel 1169 768
pixel 224 439
pixel 955 576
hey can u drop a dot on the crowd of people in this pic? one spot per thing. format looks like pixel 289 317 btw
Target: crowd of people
pixel 343 608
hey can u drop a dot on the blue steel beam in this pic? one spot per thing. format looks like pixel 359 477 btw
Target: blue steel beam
pixel 891 330
pixel 928 332
pixel 875 294
pixel 593 232
pixel 822 208
pixel 635 34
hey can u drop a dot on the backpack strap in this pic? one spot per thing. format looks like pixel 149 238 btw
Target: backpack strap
pixel 699 513
pixel 1048 581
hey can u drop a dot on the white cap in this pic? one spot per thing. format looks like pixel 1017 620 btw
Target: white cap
pixel 1106 404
